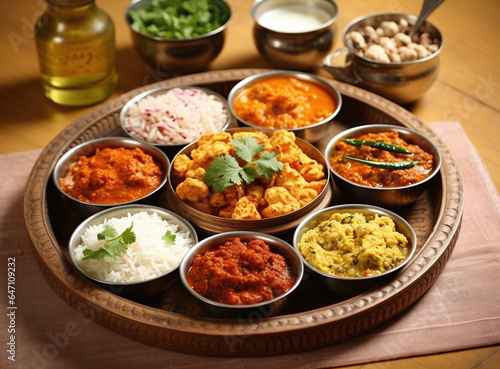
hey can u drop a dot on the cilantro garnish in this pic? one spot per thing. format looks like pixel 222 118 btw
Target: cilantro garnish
pixel 169 238
pixel 114 244
pixel 225 170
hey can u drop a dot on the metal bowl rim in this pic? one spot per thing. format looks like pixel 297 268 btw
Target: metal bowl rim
pixel 272 219
pixel 359 19
pixel 304 76
pixel 268 238
pixel 140 144
pixel 146 93
pixel 175 40
pixel 335 139
pixel 122 210
pixel 352 208
pixel 324 26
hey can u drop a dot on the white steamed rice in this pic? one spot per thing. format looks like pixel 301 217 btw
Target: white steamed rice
pixel 177 117
pixel 148 257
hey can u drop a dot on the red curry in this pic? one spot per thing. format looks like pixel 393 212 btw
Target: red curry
pixel 284 102
pixel 240 273
pixel 112 176
pixel 377 177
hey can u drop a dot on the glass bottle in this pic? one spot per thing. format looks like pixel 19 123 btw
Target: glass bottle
pixel 76 50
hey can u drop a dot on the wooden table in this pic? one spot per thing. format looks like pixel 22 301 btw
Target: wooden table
pixel 466 91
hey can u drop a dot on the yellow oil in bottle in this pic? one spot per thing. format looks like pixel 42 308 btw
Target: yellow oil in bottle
pixel 76 51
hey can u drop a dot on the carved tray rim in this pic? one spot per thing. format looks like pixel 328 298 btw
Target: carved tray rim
pixel 271 336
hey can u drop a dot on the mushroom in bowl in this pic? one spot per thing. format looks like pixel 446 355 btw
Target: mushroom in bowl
pixel 106 172
pixel 248 179
pixel 383 58
pixel 171 117
pixel 354 247
pixel 132 250
pixel 300 102
pixel 240 273
pixel 382 164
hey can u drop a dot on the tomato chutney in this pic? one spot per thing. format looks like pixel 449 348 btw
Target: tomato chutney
pixel 240 273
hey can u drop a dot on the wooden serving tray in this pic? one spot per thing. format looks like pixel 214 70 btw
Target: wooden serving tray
pixel 313 317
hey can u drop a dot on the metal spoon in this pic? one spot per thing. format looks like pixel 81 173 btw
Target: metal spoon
pixel 427 8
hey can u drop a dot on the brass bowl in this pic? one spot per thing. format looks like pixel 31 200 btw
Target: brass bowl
pixel 178 56
pixel 289 49
pixel 279 225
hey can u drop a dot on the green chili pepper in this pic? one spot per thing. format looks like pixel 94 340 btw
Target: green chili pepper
pixel 386 165
pixel 378 145
pixel 346 219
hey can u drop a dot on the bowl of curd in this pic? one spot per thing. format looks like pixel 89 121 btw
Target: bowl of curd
pixel 293 34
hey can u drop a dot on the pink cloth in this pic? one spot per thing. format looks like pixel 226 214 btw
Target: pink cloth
pixel 461 310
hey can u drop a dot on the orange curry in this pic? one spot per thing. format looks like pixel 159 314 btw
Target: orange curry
pixel 284 102
pixel 112 176
pixel 240 273
pixel 378 177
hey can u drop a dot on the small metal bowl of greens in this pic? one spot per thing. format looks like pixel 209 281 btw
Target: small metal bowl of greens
pixel 178 36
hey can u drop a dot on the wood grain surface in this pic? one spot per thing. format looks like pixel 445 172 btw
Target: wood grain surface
pixel 466 91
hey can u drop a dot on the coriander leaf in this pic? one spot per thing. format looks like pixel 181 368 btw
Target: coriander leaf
pixel 267 164
pixel 98 254
pixel 114 244
pixel 247 147
pixel 223 172
pixel 107 233
pixel 128 236
pixel 248 174
pixel 169 238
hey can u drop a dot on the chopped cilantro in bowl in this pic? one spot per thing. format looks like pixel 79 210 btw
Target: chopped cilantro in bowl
pixel 179 19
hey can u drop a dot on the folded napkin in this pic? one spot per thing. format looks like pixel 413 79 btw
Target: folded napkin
pixel 461 309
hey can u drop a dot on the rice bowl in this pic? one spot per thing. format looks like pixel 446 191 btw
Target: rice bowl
pixel 148 258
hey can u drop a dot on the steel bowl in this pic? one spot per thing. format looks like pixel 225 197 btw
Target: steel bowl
pixel 85 209
pixel 402 82
pixel 278 226
pixel 296 49
pixel 256 311
pixel 311 133
pixel 135 290
pixel 384 196
pixel 179 56
pixel 172 149
pixel 346 286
